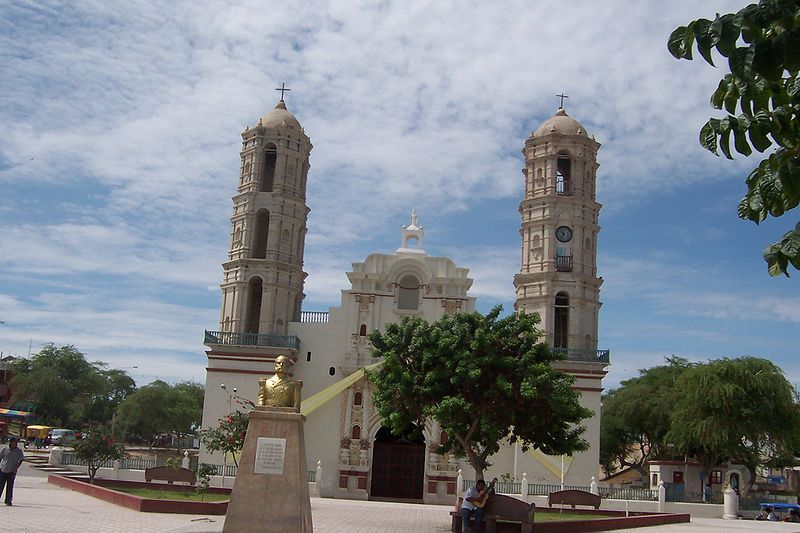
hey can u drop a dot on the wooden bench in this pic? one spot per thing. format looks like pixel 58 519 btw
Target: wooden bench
pixel 169 474
pixel 502 514
pixel 573 497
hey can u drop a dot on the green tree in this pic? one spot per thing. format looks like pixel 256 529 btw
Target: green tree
pixel 636 417
pixel 228 436
pixel 160 408
pixel 204 473
pixel 762 45
pixel 741 410
pixel 114 386
pixel 66 389
pixel 483 379
pixel 96 447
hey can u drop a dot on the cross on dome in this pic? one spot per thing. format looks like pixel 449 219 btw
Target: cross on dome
pixel 282 89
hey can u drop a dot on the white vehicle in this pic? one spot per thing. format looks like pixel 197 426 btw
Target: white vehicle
pixel 61 436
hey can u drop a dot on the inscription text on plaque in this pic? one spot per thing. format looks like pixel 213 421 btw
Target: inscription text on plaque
pixel 270 454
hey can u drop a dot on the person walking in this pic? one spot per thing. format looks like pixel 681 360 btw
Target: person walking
pixel 10 460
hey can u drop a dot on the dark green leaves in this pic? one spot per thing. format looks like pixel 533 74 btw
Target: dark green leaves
pixel 482 379
pixel 762 44
pixel 784 252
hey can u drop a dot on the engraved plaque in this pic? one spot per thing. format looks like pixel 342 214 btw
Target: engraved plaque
pixel 270 454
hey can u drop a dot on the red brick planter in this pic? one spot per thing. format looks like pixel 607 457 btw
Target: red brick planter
pixel 635 519
pixel 103 489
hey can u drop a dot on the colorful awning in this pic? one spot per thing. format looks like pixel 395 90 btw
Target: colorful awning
pixel 12 412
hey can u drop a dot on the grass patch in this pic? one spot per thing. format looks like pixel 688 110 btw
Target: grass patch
pixel 552 517
pixel 165 494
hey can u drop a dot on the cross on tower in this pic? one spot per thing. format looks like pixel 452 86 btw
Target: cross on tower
pixel 282 89
pixel 562 96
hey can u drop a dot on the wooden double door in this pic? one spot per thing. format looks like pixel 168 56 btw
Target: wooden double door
pixel 398 468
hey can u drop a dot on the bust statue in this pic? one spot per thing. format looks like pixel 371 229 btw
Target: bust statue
pixel 280 390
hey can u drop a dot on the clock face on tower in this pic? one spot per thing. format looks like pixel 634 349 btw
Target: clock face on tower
pixel 564 234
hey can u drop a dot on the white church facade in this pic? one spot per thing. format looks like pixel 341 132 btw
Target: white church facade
pixel 261 313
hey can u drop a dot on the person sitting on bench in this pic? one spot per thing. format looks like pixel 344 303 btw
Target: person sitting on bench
pixel 468 509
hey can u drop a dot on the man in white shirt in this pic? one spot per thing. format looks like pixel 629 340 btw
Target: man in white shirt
pixel 10 460
pixel 467 506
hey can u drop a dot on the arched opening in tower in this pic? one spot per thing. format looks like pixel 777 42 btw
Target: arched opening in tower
pixel 561 321
pixel 563 173
pixel 261 235
pixel 253 318
pixel 268 170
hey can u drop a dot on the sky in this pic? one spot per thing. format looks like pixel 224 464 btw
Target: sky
pixel 120 129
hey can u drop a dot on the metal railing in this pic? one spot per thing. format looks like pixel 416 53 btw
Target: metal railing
pixel 127 463
pixel 539 489
pixel 628 493
pixel 137 463
pixel 230 470
pixel 71 459
pixel 582 354
pixel 314 316
pixel 563 263
pixel 236 338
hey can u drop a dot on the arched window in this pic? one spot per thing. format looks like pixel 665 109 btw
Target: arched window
pixel 253 317
pixel 563 173
pixel 261 234
pixel 358 398
pixel 362 332
pixel 408 292
pixel 356 433
pixel 561 321
pixel 268 169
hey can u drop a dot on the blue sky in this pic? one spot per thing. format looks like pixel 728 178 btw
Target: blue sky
pixel 121 128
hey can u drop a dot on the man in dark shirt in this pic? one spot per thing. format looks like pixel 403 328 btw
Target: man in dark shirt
pixel 10 460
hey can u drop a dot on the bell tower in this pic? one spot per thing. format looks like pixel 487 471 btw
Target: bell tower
pixel 262 288
pixel 558 272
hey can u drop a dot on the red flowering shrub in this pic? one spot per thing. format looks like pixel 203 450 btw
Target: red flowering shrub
pixel 97 446
pixel 228 436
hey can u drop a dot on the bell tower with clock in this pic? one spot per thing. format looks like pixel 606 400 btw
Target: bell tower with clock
pixel 558 271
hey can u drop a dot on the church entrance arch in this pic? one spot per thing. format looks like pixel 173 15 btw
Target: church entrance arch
pixel 398 465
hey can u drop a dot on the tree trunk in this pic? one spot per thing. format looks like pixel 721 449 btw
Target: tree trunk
pixel 477 462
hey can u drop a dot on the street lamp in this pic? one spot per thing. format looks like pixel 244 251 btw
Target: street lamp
pixel 225 454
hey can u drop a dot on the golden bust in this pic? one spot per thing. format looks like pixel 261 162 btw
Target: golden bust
pixel 280 390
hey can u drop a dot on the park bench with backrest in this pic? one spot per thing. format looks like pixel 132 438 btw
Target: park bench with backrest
pixel 573 497
pixel 170 474
pixel 501 514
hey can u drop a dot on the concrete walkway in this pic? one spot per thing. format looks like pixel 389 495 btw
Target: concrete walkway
pixel 39 506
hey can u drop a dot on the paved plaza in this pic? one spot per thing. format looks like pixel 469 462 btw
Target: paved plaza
pixel 39 506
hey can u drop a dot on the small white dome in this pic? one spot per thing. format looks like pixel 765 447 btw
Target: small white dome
pixel 280 118
pixel 561 123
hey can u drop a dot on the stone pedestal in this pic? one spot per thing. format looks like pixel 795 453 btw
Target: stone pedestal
pixel 271 488
pixel 731 504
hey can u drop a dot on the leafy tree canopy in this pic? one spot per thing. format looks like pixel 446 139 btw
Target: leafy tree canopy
pixel 68 390
pixel 636 417
pixel 741 410
pixel 483 379
pixel 161 408
pixel 762 45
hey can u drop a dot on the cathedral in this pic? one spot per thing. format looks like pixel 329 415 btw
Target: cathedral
pixel 262 315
